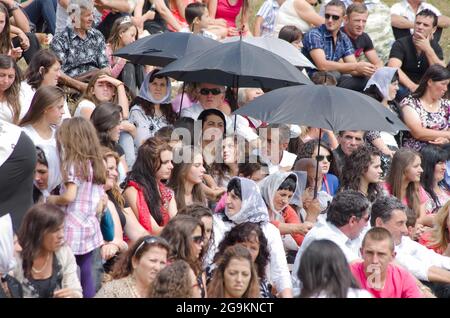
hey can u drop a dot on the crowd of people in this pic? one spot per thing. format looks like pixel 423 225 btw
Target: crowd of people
pixel 114 185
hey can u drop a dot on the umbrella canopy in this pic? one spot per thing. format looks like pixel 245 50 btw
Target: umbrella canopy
pixel 321 106
pixel 236 64
pixel 279 47
pixel 164 48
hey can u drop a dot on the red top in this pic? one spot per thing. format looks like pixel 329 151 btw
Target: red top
pixel 290 216
pixel 144 212
pixel 228 12
pixel 425 240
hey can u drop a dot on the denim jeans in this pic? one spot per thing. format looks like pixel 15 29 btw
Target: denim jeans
pixel 39 11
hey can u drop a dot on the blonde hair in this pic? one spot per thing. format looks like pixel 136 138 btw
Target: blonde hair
pixel 120 26
pixel 439 235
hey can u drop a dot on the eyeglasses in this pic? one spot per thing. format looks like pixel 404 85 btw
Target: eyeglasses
pixel 335 17
pixel 150 240
pixel 321 157
pixel 214 91
pixel 198 239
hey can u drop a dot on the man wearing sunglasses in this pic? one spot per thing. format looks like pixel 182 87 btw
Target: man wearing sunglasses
pixel 331 50
pixel 210 96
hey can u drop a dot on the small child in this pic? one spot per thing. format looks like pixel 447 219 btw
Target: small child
pixel 266 16
pixel 200 22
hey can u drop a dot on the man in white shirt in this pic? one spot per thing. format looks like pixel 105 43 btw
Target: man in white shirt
pixel 347 216
pixel 403 15
pixel 425 264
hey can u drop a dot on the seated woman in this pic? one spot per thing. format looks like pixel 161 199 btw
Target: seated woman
pixel 252 237
pixel 46 266
pixel 186 236
pixel 299 13
pixel 438 238
pixel 225 166
pixel 47 175
pixel 363 172
pixel 235 275
pixel 152 202
pixel 187 177
pixel 153 16
pixel 291 34
pixel 151 109
pixel 425 112
pixel 245 204
pixel 432 179
pixel 135 271
pixel 277 190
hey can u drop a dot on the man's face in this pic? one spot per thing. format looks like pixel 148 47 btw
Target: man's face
pixel 357 225
pixel 356 23
pixel 376 255
pixel 333 18
pixel 350 141
pixel 211 95
pixel 396 225
pixel 423 26
pixel 85 20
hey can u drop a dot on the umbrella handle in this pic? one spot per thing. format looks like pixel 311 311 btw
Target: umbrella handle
pixel 317 166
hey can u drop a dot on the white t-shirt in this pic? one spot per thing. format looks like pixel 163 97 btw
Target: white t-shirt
pixel 37 139
pixel 83 104
pixel 405 10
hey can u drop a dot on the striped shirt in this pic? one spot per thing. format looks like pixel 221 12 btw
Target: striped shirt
pixel 268 11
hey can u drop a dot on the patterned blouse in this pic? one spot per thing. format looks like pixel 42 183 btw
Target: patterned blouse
pixel 431 120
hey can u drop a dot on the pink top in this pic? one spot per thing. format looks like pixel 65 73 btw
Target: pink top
pixel 228 12
pixel 177 15
pixel 398 284
pixel 116 63
pixel 422 193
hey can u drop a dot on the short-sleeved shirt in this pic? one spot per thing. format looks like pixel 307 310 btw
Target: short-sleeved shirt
pixel 361 44
pixel 79 55
pixel 268 11
pixel 398 284
pixel 413 65
pixel 321 38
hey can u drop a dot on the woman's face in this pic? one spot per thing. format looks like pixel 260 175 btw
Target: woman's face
pixel 53 114
pixel 165 170
pixel 197 240
pixel 282 199
pixel 324 159
pixel 158 88
pixel 53 73
pixel 148 266
pixel 213 128
pixel 438 88
pixel 41 176
pixel 196 172
pixel 229 151
pixel 233 203
pixel 374 171
pixel 236 277
pixel 414 170
pixel 104 91
pixel 298 44
pixel 253 247
pixel 111 173
pixel 393 88
pixel 208 225
pixel 128 36
pixel 114 133
pixel 2 21
pixel 439 171
pixel 7 77
pixel 52 241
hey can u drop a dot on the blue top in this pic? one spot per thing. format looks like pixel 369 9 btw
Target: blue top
pixel 333 184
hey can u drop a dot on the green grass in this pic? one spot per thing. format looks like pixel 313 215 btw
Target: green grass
pixel 442 5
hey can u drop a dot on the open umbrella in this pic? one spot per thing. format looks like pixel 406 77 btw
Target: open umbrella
pixel 325 107
pixel 236 64
pixel 279 47
pixel 164 48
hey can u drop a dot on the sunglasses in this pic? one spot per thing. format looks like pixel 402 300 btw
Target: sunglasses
pixel 214 91
pixel 151 240
pixel 321 157
pixel 198 239
pixel 335 17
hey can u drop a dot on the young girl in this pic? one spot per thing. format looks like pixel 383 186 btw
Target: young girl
pixel 82 194
pixel 124 32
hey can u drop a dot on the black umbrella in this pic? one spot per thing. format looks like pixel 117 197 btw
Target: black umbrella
pixel 320 106
pixel 236 64
pixel 164 48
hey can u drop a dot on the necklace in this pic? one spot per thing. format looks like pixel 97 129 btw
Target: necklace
pixel 38 271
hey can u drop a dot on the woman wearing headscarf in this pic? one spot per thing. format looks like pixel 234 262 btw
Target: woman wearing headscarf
pixel 152 109
pixel 245 204
pixel 277 191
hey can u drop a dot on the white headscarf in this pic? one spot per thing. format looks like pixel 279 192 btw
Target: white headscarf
pixel 7 260
pixel 54 171
pixel 9 135
pixel 253 209
pixel 144 91
pixel 382 78
pixel 269 186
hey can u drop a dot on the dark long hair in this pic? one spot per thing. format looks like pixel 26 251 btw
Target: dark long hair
pixel 324 269
pixel 431 155
pixel 5 38
pixel 306 150
pixel 42 58
pixel 105 117
pixel 148 162
pixel 12 93
pixel 247 232
pixel 38 221
pixel 435 73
